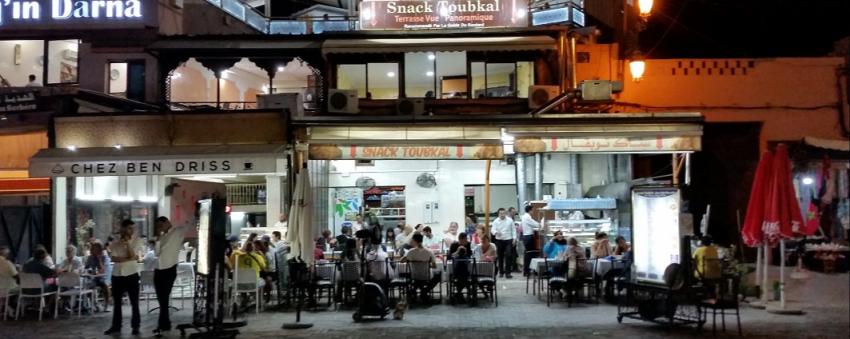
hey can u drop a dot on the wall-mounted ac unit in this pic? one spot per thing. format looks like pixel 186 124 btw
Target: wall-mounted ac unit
pixel 540 95
pixel 410 106
pixel 343 101
pixel 288 102
pixel 69 54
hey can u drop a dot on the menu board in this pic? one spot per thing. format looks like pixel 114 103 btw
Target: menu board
pixel 655 232
pixel 204 209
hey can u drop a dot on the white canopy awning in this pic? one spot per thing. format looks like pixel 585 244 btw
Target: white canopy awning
pixel 156 160
pixel 509 43
pixel 830 144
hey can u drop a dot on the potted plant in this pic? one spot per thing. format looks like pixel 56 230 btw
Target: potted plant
pixel 776 290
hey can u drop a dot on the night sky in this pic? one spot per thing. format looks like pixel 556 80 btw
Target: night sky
pixel 744 28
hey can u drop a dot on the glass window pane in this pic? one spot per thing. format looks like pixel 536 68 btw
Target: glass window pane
pixel 524 77
pixel 419 75
pixel 478 85
pixel 19 59
pixel 352 77
pixel 62 61
pixel 451 74
pixel 383 81
pixel 500 80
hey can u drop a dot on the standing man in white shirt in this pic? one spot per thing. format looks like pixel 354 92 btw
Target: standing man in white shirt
pixel 505 232
pixel 125 276
pixel 168 244
pixel 529 226
pixel 282 222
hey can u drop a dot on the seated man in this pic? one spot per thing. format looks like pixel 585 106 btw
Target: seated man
pixel 7 270
pixel 460 251
pixel 706 260
pixel 419 254
pixel 429 240
pixel 36 264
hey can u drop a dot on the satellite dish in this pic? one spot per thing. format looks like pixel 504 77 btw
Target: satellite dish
pixel 365 183
pixel 426 180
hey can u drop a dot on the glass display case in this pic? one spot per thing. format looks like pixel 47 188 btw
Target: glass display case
pixel 580 218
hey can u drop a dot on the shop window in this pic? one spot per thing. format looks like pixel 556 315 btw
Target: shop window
pixel 524 77
pixel 419 77
pixel 451 74
pixel 19 59
pixel 498 80
pixel 62 61
pixel 372 80
pixel 382 81
pixel 352 77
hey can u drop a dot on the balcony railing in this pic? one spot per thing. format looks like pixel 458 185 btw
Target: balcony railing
pixel 287 26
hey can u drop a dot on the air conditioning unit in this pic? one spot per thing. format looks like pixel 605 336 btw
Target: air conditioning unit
pixel 290 102
pixel 540 95
pixel 410 106
pixel 599 90
pixel 343 101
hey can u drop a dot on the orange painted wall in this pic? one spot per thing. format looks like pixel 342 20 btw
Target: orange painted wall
pixel 229 91
pixel 250 94
pixel 791 97
pixel 191 86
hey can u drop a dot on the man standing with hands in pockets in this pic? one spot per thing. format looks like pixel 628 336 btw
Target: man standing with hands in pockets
pixel 168 245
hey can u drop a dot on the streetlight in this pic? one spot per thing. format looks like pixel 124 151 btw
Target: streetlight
pixel 645 7
pixel 637 66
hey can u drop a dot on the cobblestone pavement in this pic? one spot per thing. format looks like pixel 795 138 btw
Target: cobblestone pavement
pixel 825 298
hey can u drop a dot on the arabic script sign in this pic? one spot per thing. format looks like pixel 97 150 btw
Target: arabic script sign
pixel 18 101
pixel 609 144
pixel 442 14
pixel 337 152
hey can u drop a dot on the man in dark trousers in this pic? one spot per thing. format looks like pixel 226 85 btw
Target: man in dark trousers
pixel 168 244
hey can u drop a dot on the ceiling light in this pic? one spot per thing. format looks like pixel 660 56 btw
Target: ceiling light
pixel 280 68
pixel 122 198
pixel 391 74
pixel 176 75
pixel 4 117
pixel 808 181
pixel 429 73
pixel 520 13
pixel 72 148
pixel 431 56
pixel 117 146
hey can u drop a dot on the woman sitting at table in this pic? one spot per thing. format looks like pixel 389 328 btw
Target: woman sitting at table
pixel 621 246
pixel 72 262
pixel 600 248
pixel 389 240
pixel 577 260
pixel 486 251
pixel 99 265
pixel 478 234
pixel 556 247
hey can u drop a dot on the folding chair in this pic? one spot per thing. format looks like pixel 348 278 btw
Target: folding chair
pixel 32 281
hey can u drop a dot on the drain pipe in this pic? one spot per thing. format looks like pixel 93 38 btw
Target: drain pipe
pixel 520 180
pixel 538 178
pixel 612 168
pixel 574 177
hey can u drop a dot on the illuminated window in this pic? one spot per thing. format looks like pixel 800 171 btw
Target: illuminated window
pixel 451 74
pixel 62 61
pixel 500 80
pixel 419 76
pixel 372 80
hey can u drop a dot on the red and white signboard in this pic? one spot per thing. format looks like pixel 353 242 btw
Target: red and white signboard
pixel 371 152
pixel 609 144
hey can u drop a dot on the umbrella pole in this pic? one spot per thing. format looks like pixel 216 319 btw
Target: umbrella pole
pixel 759 271
pixel 782 274
pixel 764 274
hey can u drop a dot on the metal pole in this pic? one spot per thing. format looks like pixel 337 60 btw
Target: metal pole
pixel 520 180
pixel 687 168
pixel 487 198
pixel 612 168
pixel 575 176
pixel 562 60
pixel 538 178
pixel 571 62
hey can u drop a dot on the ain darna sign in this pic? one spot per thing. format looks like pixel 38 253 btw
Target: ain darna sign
pixel 23 11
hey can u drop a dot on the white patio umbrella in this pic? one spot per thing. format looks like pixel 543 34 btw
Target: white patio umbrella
pixel 300 235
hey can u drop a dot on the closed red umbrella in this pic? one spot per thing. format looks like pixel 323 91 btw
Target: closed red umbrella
pixel 782 214
pixel 753 221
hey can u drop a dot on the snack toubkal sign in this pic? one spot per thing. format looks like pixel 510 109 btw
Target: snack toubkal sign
pixel 33 12
pixel 442 14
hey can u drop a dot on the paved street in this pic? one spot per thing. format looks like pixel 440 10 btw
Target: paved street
pixel 518 316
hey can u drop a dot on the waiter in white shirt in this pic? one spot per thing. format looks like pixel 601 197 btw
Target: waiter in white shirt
pixel 505 232
pixel 529 227
pixel 168 245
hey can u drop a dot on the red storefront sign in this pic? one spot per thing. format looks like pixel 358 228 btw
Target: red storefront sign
pixel 442 14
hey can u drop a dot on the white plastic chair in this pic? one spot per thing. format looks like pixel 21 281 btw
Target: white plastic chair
pixel 6 293
pixel 185 280
pixel 246 281
pixel 71 285
pixel 146 287
pixel 32 281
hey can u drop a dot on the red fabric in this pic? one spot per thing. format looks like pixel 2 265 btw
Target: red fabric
pixel 752 231
pixel 812 221
pixel 782 214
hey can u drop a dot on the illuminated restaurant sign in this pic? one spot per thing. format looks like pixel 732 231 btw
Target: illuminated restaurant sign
pixel 442 14
pixel 32 11
pixel 373 152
